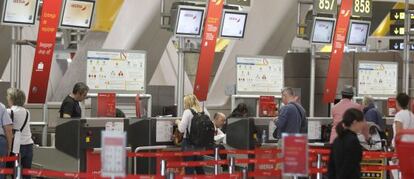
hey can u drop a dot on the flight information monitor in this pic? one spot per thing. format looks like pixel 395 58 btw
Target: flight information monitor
pixel 77 14
pixel 322 32
pixel 189 21
pixel 19 12
pixel 233 24
pixel 358 33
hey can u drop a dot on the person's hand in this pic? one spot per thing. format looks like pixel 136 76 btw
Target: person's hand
pixel 177 122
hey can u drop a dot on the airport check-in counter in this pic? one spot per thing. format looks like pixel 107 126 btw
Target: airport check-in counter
pixel 74 137
pixel 150 132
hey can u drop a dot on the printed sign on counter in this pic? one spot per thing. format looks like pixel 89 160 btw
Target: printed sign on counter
pixel 106 105
pixel 77 14
pixel 116 71
pixel 20 12
pixel 164 131
pixel 295 155
pixel 113 154
pixel 259 75
pixel 377 78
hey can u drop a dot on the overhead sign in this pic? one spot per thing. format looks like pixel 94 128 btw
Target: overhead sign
pixel 189 21
pixel 46 40
pixel 325 6
pixel 377 78
pixel 114 70
pixel 295 155
pixel 362 8
pixel 233 24
pixel 337 53
pixel 19 12
pixel 208 45
pixel 322 30
pixel 398 14
pixel 77 14
pixel 398 44
pixel 397 30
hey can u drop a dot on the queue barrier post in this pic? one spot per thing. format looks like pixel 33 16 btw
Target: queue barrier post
pixel 163 167
pixel 232 165
pixel 216 158
pixel 170 175
pixel 17 168
pixel 244 173
pixel 319 166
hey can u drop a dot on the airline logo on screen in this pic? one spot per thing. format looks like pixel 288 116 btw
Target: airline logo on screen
pixel 22 2
pixel 79 6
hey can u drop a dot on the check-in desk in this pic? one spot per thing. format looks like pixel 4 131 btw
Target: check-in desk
pixel 150 132
pixel 76 137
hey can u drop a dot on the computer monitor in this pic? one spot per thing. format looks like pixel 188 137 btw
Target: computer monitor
pixel 358 33
pixel 322 31
pixel 189 21
pixel 77 14
pixel 233 24
pixel 19 12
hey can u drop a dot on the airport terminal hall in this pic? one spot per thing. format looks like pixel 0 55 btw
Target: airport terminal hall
pixel 206 89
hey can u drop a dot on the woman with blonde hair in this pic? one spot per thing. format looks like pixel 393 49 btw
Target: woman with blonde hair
pixel 21 125
pixel 191 107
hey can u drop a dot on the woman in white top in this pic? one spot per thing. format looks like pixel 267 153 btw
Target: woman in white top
pixel 190 102
pixel 404 119
pixel 21 123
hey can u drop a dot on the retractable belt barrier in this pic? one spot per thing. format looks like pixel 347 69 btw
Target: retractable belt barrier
pixel 322 154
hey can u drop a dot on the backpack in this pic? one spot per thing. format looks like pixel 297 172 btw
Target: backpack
pixel 202 130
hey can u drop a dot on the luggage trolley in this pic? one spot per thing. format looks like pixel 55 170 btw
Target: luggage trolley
pixel 404 148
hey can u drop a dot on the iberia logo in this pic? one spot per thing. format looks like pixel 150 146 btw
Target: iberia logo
pixel 79 6
pixel 22 2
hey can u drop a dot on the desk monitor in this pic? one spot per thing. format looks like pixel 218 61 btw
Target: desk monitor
pixel 77 14
pixel 189 21
pixel 358 33
pixel 322 31
pixel 19 12
pixel 233 24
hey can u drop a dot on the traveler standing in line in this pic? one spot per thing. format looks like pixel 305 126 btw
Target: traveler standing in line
pixel 70 107
pixel 404 119
pixel 291 117
pixel 191 104
pixel 21 124
pixel 339 109
pixel 6 135
pixel 346 151
pixel 372 114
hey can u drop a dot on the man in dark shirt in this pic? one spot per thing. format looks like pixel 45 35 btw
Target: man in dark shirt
pixel 292 116
pixel 70 106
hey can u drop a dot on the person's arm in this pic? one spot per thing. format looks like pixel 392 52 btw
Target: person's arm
pixel 67 109
pixel 331 165
pixel 398 126
pixel 8 131
pixel 185 120
pixel 281 121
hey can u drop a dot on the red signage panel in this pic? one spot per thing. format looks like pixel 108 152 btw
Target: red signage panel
pixel 46 38
pixel 295 155
pixel 106 105
pixel 337 53
pixel 208 45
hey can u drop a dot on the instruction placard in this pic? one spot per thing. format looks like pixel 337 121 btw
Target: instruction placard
pixel 259 75
pixel 377 78
pixel 113 154
pixel 116 71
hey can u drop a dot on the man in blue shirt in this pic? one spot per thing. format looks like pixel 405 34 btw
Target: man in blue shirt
pixel 372 114
pixel 292 116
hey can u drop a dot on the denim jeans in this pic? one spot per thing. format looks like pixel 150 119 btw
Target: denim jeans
pixel 186 146
pixel 3 152
pixel 26 157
